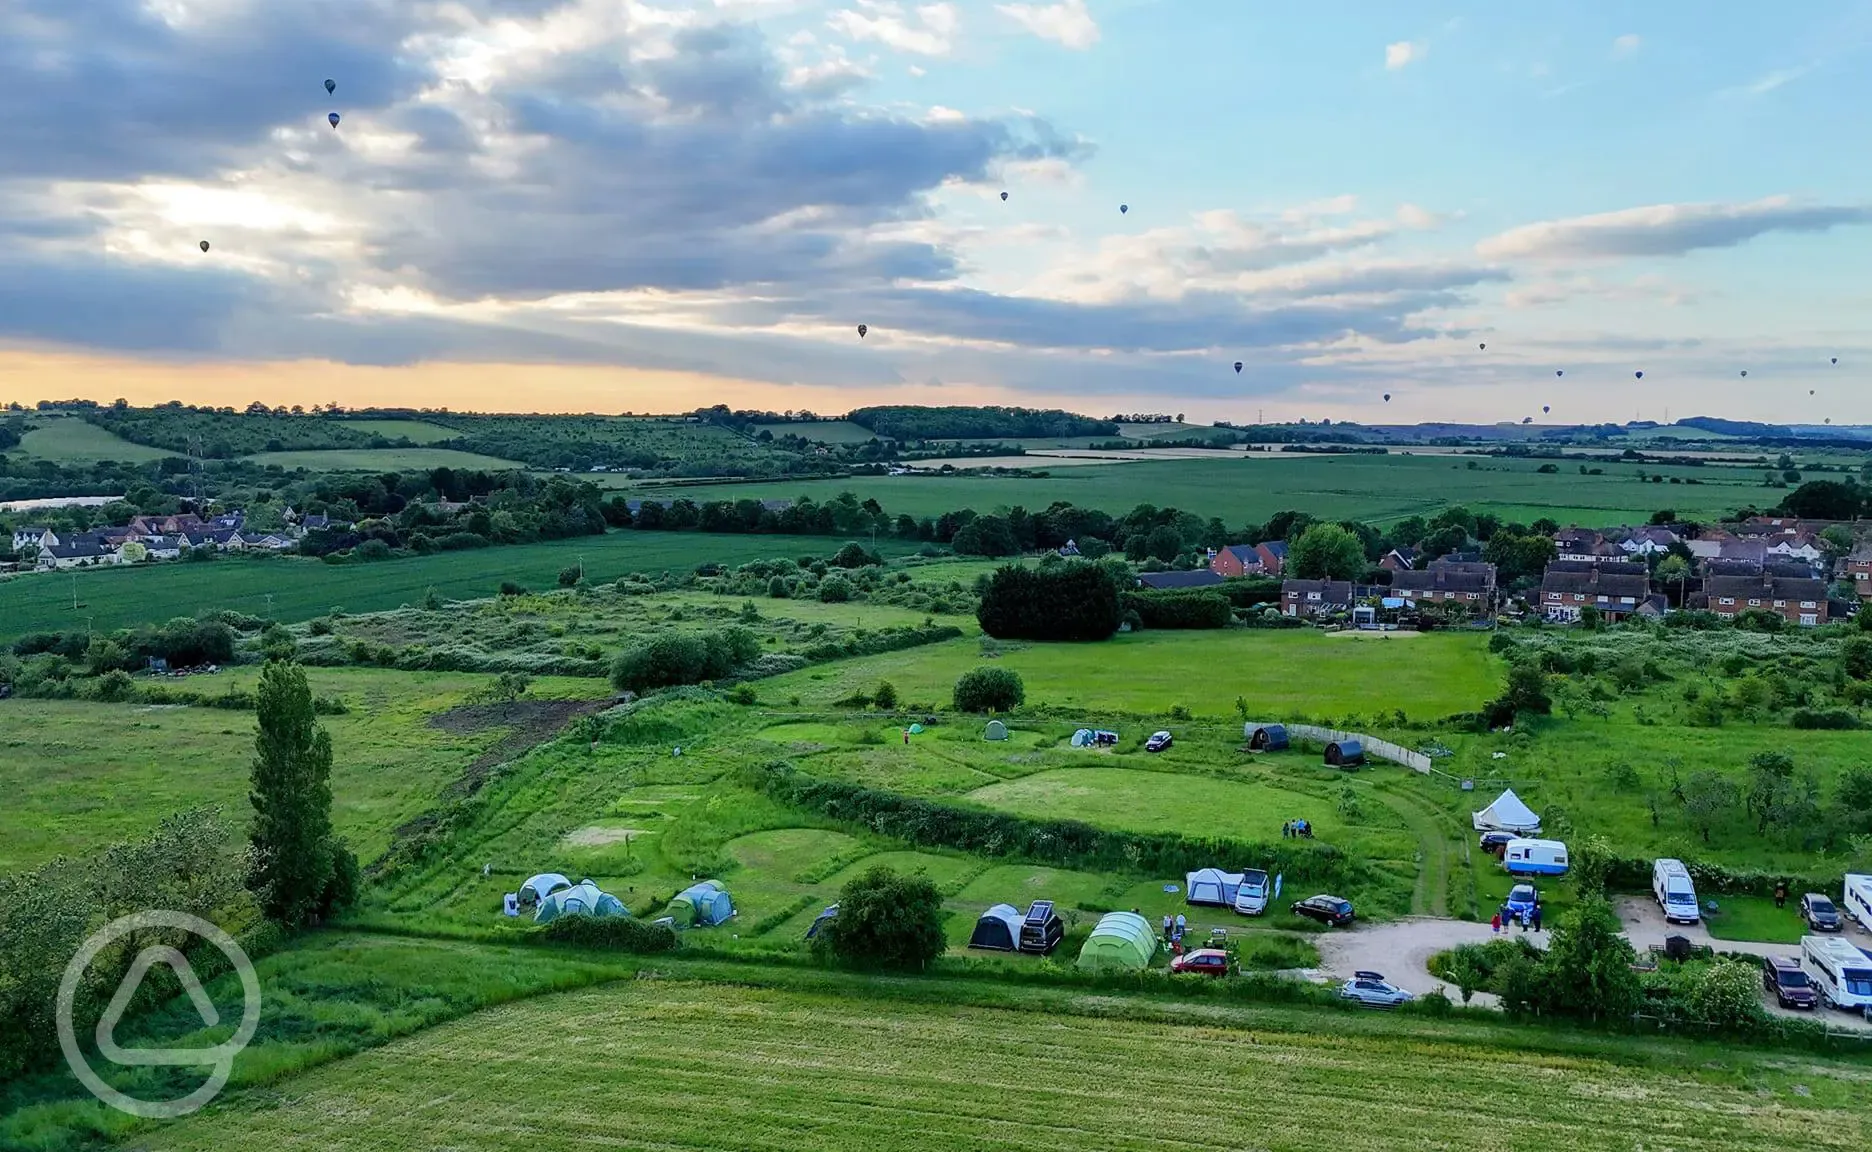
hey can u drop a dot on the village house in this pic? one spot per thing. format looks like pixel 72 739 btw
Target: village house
pixel 1403 558
pixel 1315 597
pixel 1650 541
pixel 1586 545
pixel 1264 559
pixel 1797 546
pixel 1798 601
pixel 76 554
pixel 1446 582
pixel 33 536
pixel 1617 589
pixel 1859 570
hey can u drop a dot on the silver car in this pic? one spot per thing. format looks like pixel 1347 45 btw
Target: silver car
pixel 1374 991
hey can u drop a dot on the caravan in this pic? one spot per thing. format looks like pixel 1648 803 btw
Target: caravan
pixel 1670 884
pixel 1535 858
pixel 1840 972
pixel 1858 902
pixel 1251 895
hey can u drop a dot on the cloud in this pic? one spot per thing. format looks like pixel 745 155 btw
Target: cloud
pixel 1763 85
pixel 928 30
pixel 1403 52
pixel 1626 45
pixel 1667 229
pixel 1066 22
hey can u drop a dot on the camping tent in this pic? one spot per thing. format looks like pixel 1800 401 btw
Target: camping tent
pixel 1082 738
pixel 702 905
pixel 1122 941
pixel 539 887
pixel 1345 753
pixel 999 929
pixel 582 899
pixel 820 921
pixel 1506 814
pixel 1211 886
pixel 1266 737
pixel 995 731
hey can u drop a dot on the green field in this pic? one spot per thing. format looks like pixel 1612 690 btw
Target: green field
pixel 115 597
pixel 1377 489
pixel 380 460
pixel 415 431
pixel 671 1064
pixel 822 431
pixel 69 440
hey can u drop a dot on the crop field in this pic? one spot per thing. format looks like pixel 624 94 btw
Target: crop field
pixel 115 597
pixel 381 459
pixel 1281 674
pixel 81 775
pixel 664 1064
pixel 1378 489
pixel 415 431
pixel 69 440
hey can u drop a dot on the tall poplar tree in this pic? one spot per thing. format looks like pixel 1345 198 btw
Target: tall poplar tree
pixel 295 854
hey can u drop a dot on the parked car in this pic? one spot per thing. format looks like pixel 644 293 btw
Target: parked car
pixel 1328 910
pixel 1522 898
pixel 1820 913
pixel 1782 975
pixel 1158 742
pixel 1495 843
pixel 1251 895
pixel 1374 991
pixel 1208 961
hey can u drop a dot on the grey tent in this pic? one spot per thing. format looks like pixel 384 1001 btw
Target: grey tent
pixel 1211 886
pixel 821 920
pixel 995 731
pixel 1266 737
pixel 1345 754
pixel 582 899
pixel 1507 814
pixel 539 887
pixel 998 929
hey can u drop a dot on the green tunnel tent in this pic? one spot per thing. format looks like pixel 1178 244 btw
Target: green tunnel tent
pixel 702 905
pixel 1122 942
pixel 582 899
pixel 995 731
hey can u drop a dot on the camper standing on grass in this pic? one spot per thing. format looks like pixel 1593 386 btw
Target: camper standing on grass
pixel 1166 927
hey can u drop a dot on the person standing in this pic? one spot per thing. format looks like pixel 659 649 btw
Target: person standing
pixel 1166 926
pixel 1780 894
pixel 1495 923
pixel 1182 925
pixel 1537 916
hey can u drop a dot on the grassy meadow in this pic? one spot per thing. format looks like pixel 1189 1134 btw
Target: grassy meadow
pixel 381 459
pixel 69 440
pixel 415 431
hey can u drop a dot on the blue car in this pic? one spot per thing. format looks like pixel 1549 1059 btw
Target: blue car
pixel 1521 899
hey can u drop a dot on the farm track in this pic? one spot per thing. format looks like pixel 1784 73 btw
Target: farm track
pixel 1437 845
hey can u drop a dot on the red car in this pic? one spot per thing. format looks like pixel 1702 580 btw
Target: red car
pixel 1208 961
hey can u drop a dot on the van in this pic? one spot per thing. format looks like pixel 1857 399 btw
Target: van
pixel 1251 896
pixel 1535 858
pixel 1840 972
pixel 1858 901
pixel 1670 884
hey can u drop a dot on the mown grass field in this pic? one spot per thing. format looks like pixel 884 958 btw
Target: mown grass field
pixel 120 597
pixel 69 440
pixel 822 431
pixel 415 431
pixel 669 1064
pixel 381 459
pixel 79 776
pixel 1371 488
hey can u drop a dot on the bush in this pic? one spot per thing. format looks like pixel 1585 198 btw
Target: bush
pixel 885 920
pixel 884 695
pixel 674 658
pixel 624 933
pixel 835 590
pixel 1179 609
pixel 509 588
pixel 568 577
pixel 989 689
pixel 1834 719
pixel 1072 601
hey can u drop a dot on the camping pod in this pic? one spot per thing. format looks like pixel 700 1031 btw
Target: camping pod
pixel 582 899
pixel 995 731
pixel 1265 737
pixel 1507 814
pixel 1345 754
pixel 702 905
pixel 998 929
pixel 1212 886
pixel 820 921
pixel 1041 929
pixel 1122 942
pixel 539 887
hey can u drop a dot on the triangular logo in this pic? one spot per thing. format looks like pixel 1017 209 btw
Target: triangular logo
pixel 119 1003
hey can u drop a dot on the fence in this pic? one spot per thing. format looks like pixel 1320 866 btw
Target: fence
pixel 1383 749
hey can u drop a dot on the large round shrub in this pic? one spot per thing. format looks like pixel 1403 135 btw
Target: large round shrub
pixel 1074 601
pixel 986 689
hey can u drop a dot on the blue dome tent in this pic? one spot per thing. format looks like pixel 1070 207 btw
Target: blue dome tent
pixel 539 887
pixel 702 905
pixel 582 899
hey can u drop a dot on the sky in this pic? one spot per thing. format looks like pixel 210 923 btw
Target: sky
pixel 652 205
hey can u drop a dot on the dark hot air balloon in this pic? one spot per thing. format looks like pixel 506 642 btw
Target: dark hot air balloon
pixel 334 119
pixel 1810 391
pixel 1482 347
pixel 1836 359
pixel 1559 372
pixel 331 86
pixel 1123 208
pixel 861 331
pixel 1387 397
pixel 1638 375
pixel 1004 195
pixel 1745 371
pixel 204 245
pixel 1238 367
pixel 1545 409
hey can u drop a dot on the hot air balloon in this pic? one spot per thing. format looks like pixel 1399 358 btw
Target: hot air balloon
pixel 1745 371
pixel 1559 372
pixel 1810 391
pixel 1836 359
pixel 1482 347
pixel 331 86
pixel 1123 208
pixel 334 119
pixel 1638 375
pixel 861 331
pixel 1238 367
pixel 1387 397
pixel 204 245
pixel 1545 409
pixel 1004 195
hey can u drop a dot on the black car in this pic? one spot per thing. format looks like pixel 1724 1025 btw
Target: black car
pixel 1328 910
pixel 1782 975
pixel 1819 912
pixel 1494 843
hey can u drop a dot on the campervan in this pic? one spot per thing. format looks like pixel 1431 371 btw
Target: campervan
pixel 1251 896
pixel 1840 972
pixel 1535 858
pixel 1858 902
pixel 1670 884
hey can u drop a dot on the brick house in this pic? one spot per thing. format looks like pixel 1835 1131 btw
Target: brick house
pixel 1267 558
pixel 1617 589
pixel 1859 570
pixel 1796 600
pixel 1403 558
pixel 1315 597
pixel 1446 582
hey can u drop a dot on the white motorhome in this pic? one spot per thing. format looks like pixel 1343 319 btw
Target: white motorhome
pixel 1670 884
pixel 1841 973
pixel 1858 901
pixel 1251 895
pixel 1535 858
